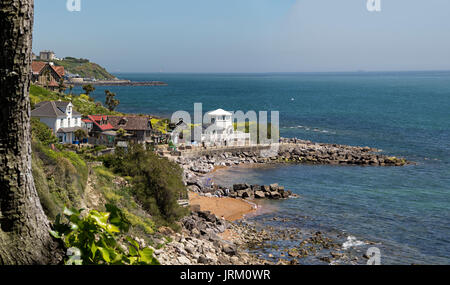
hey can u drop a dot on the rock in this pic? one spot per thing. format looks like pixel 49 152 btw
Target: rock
pixel 242 186
pixel 207 215
pixel 336 254
pixel 293 253
pixel 230 249
pixel 274 187
pixel 183 260
pixel 203 260
pixel 166 231
pixel 260 195
pixel 189 249
pixel 265 188
pixel 275 195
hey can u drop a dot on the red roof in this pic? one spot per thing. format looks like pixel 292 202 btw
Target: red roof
pixel 86 120
pixel 97 119
pixel 37 66
pixel 59 70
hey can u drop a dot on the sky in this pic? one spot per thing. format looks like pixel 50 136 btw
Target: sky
pixel 248 35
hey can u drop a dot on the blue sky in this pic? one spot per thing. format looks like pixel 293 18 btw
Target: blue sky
pixel 248 35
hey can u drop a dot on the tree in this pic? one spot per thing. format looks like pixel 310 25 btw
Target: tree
pixel 88 89
pixel 24 228
pixel 121 133
pixel 70 88
pixel 111 102
pixel 81 134
pixel 61 86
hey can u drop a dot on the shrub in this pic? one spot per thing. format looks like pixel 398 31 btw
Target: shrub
pixel 94 239
pixel 157 182
pixel 42 133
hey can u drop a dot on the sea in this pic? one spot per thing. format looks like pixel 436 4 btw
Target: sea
pixel 403 211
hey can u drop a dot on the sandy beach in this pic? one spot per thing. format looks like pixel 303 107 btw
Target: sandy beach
pixel 228 208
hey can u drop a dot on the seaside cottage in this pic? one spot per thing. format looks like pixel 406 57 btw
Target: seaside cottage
pixel 220 132
pixel 138 128
pixel 102 132
pixel 60 117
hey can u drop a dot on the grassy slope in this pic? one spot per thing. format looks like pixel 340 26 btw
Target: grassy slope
pixel 84 68
pixel 61 176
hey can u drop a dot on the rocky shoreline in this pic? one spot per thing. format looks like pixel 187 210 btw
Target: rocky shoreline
pixel 202 242
pixel 201 239
pixel 290 151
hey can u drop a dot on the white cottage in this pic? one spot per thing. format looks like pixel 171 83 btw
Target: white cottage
pixel 220 131
pixel 60 117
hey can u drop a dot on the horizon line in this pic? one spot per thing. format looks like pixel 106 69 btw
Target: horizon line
pixel 281 72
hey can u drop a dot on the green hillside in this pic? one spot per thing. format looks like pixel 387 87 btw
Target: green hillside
pixel 84 68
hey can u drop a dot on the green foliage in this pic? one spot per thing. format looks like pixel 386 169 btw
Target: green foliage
pixel 84 68
pixel 160 125
pixel 157 182
pixel 122 197
pixel 83 103
pixel 110 101
pixel 61 86
pixel 60 178
pixel 42 133
pixel 81 134
pixel 95 238
pixel 121 133
pixel 88 89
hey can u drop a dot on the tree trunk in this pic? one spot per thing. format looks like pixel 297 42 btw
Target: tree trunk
pixel 24 228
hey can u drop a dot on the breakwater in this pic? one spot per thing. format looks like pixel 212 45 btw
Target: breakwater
pixel 119 83
pixel 196 162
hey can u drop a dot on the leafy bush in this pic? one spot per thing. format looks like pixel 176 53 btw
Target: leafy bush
pixel 42 133
pixel 94 239
pixel 157 182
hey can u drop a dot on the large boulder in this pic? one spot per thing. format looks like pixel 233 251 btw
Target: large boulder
pixel 274 187
pixel 265 188
pixel 260 195
pixel 275 195
pixel 241 186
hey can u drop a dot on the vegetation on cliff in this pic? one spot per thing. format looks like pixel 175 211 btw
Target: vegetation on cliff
pixel 84 68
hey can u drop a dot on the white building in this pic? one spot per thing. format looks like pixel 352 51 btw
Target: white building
pixel 60 117
pixel 220 132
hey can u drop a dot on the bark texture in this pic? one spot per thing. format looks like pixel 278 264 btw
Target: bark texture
pixel 24 236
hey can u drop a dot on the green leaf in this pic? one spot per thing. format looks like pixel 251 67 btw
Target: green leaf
pixel 93 249
pixel 133 242
pixel 55 234
pixel 105 254
pixel 132 250
pixel 146 255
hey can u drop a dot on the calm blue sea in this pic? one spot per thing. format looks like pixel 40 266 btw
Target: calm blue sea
pixel 406 210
